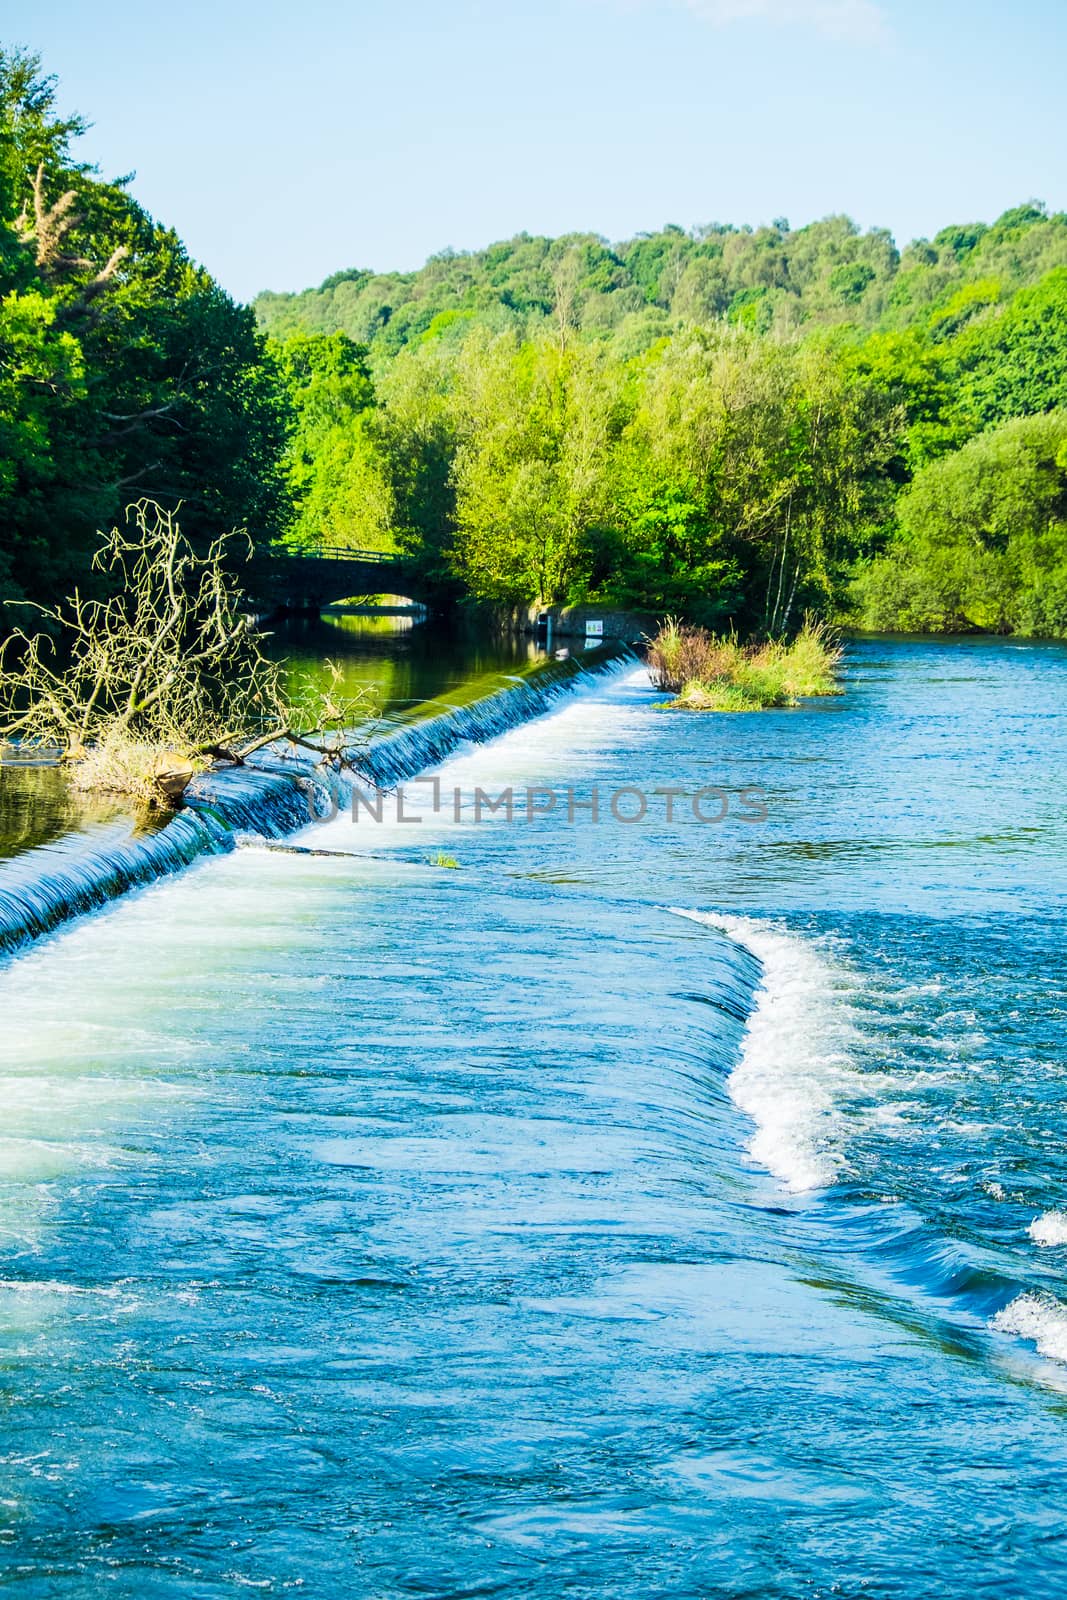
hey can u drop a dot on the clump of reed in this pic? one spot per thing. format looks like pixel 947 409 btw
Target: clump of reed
pixel 709 672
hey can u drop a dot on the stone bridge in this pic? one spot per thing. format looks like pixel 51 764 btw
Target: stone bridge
pixel 309 579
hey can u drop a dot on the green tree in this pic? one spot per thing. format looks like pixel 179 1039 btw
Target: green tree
pixel 417 432
pixel 336 470
pixel 1015 364
pixel 983 538
pixel 123 368
pixel 921 379
pixel 752 467
pixel 536 423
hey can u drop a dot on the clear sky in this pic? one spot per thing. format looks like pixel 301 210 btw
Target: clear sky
pixel 286 139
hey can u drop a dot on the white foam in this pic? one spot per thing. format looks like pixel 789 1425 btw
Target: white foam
pixel 572 738
pixel 1037 1317
pixel 1050 1228
pixel 796 1078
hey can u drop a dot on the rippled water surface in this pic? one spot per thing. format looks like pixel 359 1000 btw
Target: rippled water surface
pixel 634 1209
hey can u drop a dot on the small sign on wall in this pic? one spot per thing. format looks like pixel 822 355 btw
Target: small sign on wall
pixel 594 630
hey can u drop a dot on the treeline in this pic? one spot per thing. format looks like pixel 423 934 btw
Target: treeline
pixel 733 476
pixel 735 425
pixel 769 279
pixel 723 474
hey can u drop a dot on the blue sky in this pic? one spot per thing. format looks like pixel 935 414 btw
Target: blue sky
pixel 287 140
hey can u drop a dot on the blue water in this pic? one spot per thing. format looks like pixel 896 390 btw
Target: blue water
pixel 376 1228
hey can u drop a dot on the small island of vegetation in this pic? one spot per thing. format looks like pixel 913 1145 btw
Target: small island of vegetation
pixel 709 673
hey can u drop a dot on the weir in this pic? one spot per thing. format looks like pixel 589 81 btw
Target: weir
pixel 336 1182
pixel 273 795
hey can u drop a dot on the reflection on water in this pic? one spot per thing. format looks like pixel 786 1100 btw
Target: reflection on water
pixel 37 806
pixel 398 661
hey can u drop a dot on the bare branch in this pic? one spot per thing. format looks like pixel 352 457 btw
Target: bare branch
pixel 169 667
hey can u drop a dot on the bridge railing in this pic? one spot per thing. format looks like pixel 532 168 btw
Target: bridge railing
pixel 339 553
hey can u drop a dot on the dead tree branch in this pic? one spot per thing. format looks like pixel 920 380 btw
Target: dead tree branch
pixel 170 666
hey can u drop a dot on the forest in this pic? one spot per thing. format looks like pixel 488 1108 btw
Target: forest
pixel 740 426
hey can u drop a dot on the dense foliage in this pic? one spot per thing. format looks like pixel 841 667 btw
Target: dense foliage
pixel 983 538
pixel 124 369
pixel 769 279
pixel 339 488
pixel 724 423
pixel 719 474
pixel 736 425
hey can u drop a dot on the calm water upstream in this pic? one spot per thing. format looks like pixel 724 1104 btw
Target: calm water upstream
pixel 648 1208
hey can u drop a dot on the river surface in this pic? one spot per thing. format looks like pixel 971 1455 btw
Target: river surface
pixel 658 1207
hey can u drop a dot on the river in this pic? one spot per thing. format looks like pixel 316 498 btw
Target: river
pixel 655 1207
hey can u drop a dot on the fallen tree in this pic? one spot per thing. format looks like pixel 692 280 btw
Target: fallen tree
pixel 139 690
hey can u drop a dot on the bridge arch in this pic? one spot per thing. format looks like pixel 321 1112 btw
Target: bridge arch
pixel 311 579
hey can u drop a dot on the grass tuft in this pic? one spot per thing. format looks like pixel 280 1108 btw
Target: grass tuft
pixel 151 773
pixel 708 673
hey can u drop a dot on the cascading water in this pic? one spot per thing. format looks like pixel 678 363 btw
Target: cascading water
pixel 273 795
pixel 373 1227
